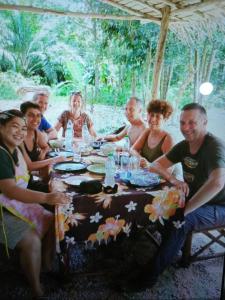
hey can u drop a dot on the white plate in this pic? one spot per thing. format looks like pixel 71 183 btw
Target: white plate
pixel 97 168
pixel 76 180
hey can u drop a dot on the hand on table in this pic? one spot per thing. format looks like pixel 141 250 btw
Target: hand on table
pixel 144 163
pixel 180 185
pixel 57 198
pixel 59 159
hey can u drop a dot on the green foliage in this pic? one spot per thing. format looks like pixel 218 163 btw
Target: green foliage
pixel 9 83
pixel 106 59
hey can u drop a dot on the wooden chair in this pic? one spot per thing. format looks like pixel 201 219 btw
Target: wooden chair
pixel 214 235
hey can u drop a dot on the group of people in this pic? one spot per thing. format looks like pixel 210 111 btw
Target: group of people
pixel 25 224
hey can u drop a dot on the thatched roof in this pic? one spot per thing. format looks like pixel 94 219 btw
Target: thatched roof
pixel 187 18
pixel 181 10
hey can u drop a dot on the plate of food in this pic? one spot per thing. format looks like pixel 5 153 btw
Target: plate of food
pixel 140 178
pixel 97 159
pixel 76 180
pixel 60 153
pixel 56 143
pixel 70 167
pixel 100 153
pixel 108 148
pixel 97 168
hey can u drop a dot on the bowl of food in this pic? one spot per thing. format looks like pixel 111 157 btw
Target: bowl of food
pixel 108 148
pixel 57 143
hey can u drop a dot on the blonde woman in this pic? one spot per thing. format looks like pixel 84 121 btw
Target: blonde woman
pixel 77 116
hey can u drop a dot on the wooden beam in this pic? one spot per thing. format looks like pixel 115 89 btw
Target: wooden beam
pixel 160 50
pixel 131 11
pixel 152 7
pixel 193 7
pixel 38 10
pixel 170 3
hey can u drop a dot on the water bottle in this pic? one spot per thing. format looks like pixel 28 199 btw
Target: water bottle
pixel 85 133
pixel 69 136
pixel 110 170
pixel 126 146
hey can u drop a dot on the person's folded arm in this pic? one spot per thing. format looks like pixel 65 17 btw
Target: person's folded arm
pixel 51 133
pixel 92 131
pixel 162 166
pixel 37 165
pixel 42 144
pixel 9 188
pixel 116 137
pixel 139 144
pixel 211 188
pixel 58 126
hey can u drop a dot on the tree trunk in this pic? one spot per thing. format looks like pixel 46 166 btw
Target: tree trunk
pixel 96 63
pixel 184 85
pixel 196 75
pixel 133 83
pixel 165 80
pixel 160 50
pixel 146 76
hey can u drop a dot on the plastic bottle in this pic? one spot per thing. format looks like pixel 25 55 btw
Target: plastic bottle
pixel 85 133
pixel 126 146
pixel 69 136
pixel 110 170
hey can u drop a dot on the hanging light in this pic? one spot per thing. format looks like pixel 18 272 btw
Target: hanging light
pixel 206 88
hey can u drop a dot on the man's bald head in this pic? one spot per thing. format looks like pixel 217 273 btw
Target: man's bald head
pixel 133 109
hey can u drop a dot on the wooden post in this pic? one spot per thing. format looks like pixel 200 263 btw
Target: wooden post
pixel 160 50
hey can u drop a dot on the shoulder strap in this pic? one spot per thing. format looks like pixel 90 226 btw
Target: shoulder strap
pixel 163 139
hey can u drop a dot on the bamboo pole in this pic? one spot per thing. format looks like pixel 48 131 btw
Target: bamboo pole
pixel 160 50
pixel 38 10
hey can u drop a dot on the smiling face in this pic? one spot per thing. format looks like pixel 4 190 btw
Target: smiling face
pixel 76 102
pixel 42 101
pixel 133 110
pixel 193 125
pixel 13 132
pixel 33 118
pixel 155 120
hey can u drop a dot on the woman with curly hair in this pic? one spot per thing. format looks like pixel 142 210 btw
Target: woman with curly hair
pixel 154 141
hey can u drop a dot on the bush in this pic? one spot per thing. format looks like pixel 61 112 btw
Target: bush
pixel 10 82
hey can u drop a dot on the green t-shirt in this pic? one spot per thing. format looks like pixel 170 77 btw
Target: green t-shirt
pixel 7 169
pixel 198 167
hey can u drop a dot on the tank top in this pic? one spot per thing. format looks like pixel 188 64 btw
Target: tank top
pixel 152 154
pixel 35 152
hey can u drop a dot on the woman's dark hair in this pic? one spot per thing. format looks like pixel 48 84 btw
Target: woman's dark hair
pixel 28 104
pixel 160 106
pixel 7 115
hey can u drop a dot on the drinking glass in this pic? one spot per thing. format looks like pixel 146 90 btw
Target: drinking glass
pixel 124 162
pixel 134 163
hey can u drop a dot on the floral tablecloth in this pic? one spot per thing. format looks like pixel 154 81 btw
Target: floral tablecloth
pixel 100 218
